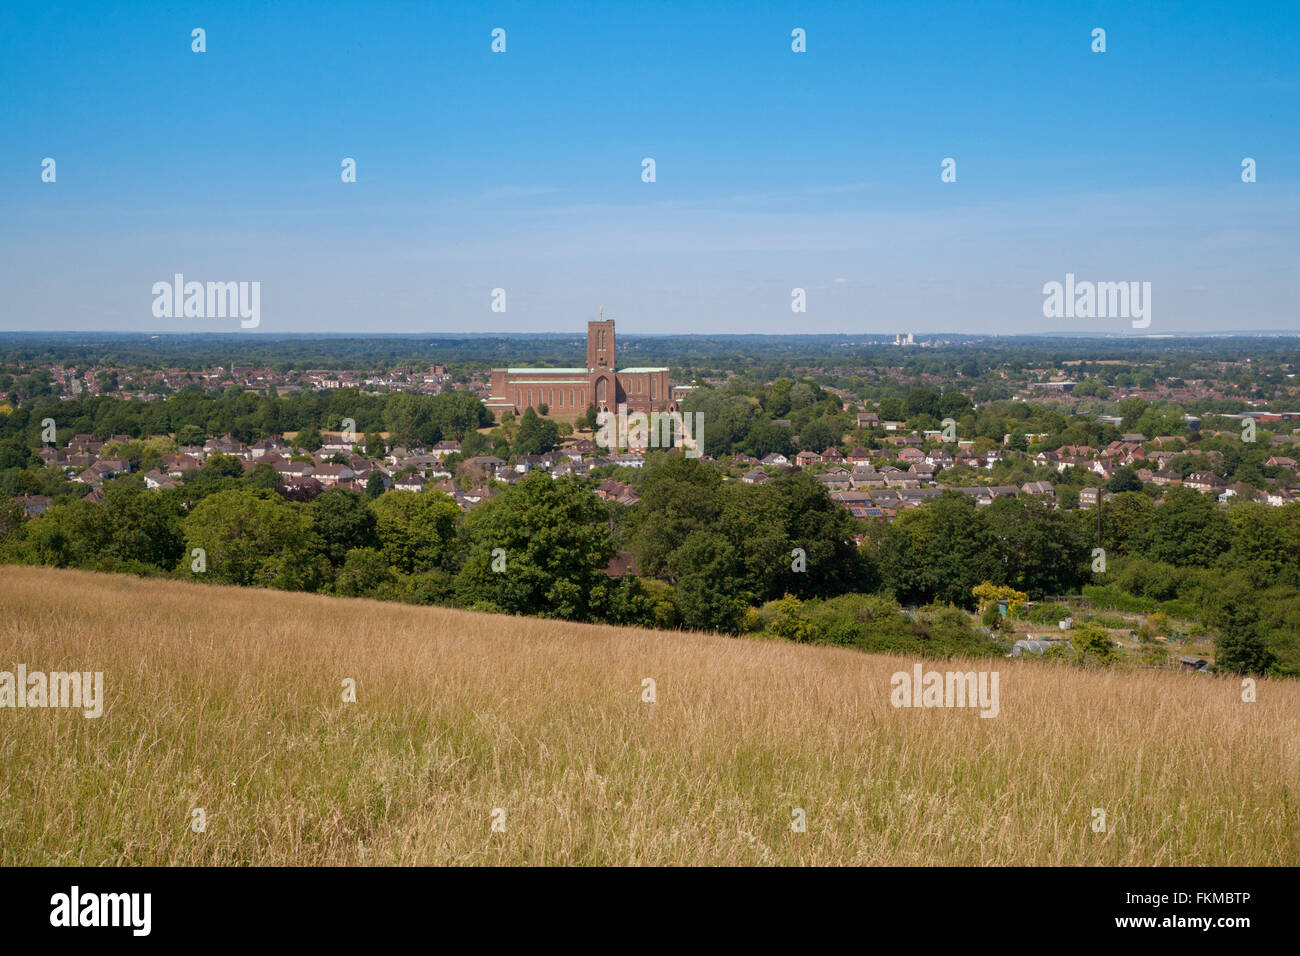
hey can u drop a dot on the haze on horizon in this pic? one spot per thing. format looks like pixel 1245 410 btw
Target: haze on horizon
pixel 775 170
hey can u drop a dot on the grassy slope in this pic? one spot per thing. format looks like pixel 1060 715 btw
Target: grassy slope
pixel 229 700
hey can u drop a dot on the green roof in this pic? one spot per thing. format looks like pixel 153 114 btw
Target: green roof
pixel 546 371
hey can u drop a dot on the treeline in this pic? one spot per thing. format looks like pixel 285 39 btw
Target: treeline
pixel 193 416
pixel 710 554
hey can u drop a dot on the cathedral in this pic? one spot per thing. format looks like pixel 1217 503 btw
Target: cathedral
pixel 568 391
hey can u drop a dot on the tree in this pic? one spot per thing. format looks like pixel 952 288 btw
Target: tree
pixel 1092 645
pixel 264 476
pixel 309 439
pixel 1124 479
pixel 937 553
pixel 252 540
pixel 536 435
pixel 790 537
pixel 343 523
pixel 1230 608
pixel 364 573
pixel 1188 529
pixel 190 435
pixel 139 525
pixel 820 434
pixel 705 571
pixel 416 531
pixel 680 495
pixel 538 548
pixel 1240 648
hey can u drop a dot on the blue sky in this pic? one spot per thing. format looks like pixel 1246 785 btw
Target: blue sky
pixel 775 170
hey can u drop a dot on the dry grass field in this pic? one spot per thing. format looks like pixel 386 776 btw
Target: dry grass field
pixel 231 700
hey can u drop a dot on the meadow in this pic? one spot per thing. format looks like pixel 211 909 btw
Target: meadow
pixel 231 701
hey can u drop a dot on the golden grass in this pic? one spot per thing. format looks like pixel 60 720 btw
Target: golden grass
pixel 230 700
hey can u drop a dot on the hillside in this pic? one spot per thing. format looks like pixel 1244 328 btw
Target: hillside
pixel 230 700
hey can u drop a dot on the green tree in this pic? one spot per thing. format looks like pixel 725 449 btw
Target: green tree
pixel 416 530
pixel 309 439
pixel 708 597
pixel 536 435
pixel 252 540
pixel 343 522
pixel 1124 479
pixel 1187 529
pixel 364 573
pixel 553 538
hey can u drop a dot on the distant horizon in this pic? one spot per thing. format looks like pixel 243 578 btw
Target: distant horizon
pixel 269 335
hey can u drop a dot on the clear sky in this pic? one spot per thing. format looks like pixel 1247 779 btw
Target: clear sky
pixel 774 170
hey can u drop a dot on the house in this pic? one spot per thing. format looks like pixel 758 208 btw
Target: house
pixel 617 491
pixel 331 474
pixel 775 458
pixel 912 455
pixel 157 480
pixel 226 445
pixel 806 458
pixel 1205 481
pixel 445 447
pixel 1192 663
pixel 34 505
pixel 1279 496
pixel 832 454
pixel 837 479
pixel 477 495
pixel 755 477
pixel 859 456
pixel 272 445
pixel 295 469
pixel 411 482
pixel 1241 491
pixel 1088 497
pixel 868 419
pixel 1038 488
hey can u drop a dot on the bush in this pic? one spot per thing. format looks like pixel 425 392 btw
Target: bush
pixel 1114 598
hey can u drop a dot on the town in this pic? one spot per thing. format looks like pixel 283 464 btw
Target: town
pixel 896 433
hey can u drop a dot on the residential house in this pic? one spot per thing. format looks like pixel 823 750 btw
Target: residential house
pixel 1205 481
